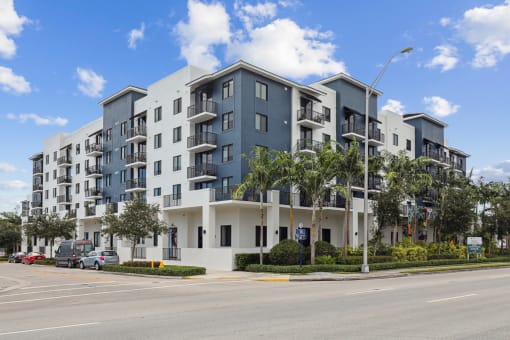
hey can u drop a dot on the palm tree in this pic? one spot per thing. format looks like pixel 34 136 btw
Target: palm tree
pixel 261 179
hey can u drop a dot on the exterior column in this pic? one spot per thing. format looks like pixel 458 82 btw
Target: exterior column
pixel 209 226
pixel 273 217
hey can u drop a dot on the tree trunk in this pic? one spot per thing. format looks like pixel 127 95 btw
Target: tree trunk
pixel 346 219
pixel 261 227
pixel 312 234
pixel 51 247
pixel 291 215
pixel 394 236
pixel 321 219
pixel 133 246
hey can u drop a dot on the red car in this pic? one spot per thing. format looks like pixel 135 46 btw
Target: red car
pixel 32 257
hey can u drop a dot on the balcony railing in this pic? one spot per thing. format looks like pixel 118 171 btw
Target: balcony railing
pixel 64 180
pixel 94 148
pixel 173 200
pixel 139 131
pixel 137 183
pixel 202 138
pixel 172 254
pixel 112 208
pixel 71 213
pixel 202 170
pixel 139 157
pixel 309 145
pixel 37 170
pixel 90 211
pixel 64 160
pixel 93 192
pixel 64 199
pixel 37 187
pixel 207 106
pixel 140 253
pixel 314 116
pixel 435 155
pixel 93 170
pixel 36 204
pixel 374 182
pixel 374 133
pixel 226 194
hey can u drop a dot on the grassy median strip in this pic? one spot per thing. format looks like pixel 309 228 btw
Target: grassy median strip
pixel 165 271
pixel 455 268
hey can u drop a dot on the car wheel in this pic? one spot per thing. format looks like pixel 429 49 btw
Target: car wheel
pixel 97 266
pixel 82 265
pixel 70 264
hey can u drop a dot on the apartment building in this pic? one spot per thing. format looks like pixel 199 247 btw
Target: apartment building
pixel 179 144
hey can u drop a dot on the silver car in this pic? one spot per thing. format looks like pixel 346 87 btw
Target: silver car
pixel 98 258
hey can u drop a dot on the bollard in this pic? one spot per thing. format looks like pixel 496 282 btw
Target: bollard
pixel 161 264
pixel 152 264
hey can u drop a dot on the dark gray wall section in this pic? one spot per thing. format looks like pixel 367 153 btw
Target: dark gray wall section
pixel 114 113
pixel 425 129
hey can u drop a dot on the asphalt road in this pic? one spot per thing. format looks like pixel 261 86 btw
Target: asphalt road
pixel 61 303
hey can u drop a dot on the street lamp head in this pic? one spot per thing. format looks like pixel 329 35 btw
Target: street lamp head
pixel 406 50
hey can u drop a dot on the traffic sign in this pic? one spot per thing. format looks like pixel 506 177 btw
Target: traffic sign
pixel 474 245
pixel 300 234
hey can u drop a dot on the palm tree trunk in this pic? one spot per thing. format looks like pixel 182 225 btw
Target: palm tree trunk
pixel 261 227
pixel 346 218
pixel 312 234
pixel 291 215
pixel 321 219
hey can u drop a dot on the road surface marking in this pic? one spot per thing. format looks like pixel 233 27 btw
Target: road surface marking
pixel 451 298
pixel 49 328
pixel 376 290
pixel 66 284
pixel 67 289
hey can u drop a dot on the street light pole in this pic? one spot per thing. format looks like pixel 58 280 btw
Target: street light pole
pixel 368 93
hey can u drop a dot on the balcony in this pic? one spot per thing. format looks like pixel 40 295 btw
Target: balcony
pixel 202 173
pixel 36 204
pixel 94 171
pixel 137 134
pixel 201 142
pixel 93 193
pixel 64 199
pixel 94 150
pixel 37 170
pixel 203 112
pixel 136 160
pixel 357 131
pixel 64 180
pixel 307 145
pixel 173 200
pixel 37 187
pixel 90 211
pixel 71 213
pixel 374 183
pixel 36 211
pixel 112 208
pixel 310 119
pixel 137 184
pixel 64 161
pixel 436 157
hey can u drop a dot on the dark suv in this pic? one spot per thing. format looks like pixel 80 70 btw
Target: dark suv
pixel 70 252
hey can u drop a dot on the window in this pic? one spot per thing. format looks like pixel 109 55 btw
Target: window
pixel 226 183
pixel 157 141
pixel 77 149
pixel 257 236
pixel 77 168
pixel 107 157
pixel 226 235
pixel 326 111
pixel 177 134
pixel 97 238
pixel 123 128
pixel 54 174
pixel 54 192
pixel 54 156
pixel 86 235
pixel 408 144
pixel 47 176
pixel 122 197
pixel 326 235
pixel 157 191
pixel 228 88
pixel 261 122
pixel 326 138
pixel 123 176
pixel 47 159
pixel 157 168
pixel 108 135
pixel 260 90
pixel 123 150
pixel 77 188
pixel 176 191
pixel 177 163
pixel 177 106
pixel 54 209
pixel 228 121
pixel 107 180
pixel 157 114
pixel 46 193
pixel 227 155
pixel 395 139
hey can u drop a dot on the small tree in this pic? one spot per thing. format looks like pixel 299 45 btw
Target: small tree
pixel 10 230
pixel 51 227
pixel 138 220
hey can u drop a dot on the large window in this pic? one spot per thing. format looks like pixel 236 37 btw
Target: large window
pixel 228 121
pixel 157 191
pixel 228 89
pixel 326 111
pixel 177 134
pixel 157 141
pixel 227 154
pixel 176 191
pixel 226 183
pixel 157 168
pixel 177 106
pixel 157 114
pixel 226 236
pixel 261 122
pixel 261 90
pixel 123 152
pixel 123 128
pixel 395 139
pixel 107 180
pixel 108 135
pixel 257 236
pixel 123 176
pixel 408 145
pixel 108 157
pixel 177 163
pixel 77 171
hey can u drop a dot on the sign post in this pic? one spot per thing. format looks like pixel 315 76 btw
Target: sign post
pixel 300 236
pixel 474 246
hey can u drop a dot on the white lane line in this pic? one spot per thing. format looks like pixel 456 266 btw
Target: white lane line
pixel 107 292
pixel 370 291
pixel 68 289
pixel 67 284
pixel 49 328
pixel 451 298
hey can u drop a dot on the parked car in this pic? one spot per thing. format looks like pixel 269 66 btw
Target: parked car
pixel 70 252
pixel 32 257
pixel 16 257
pixel 98 258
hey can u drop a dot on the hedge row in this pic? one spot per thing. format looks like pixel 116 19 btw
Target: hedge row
pixel 165 271
pixel 47 262
pixel 3 259
pixel 359 259
pixel 242 260
pixel 140 264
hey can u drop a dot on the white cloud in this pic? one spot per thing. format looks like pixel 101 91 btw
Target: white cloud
pixel 10 82
pixel 6 167
pixel 11 24
pixel 250 14
pixel 487 29
pixel 394 106
pixel 14 184
pixel 135 35
pixel 440 106
pixel 208 25
pixel 446 58
pixel 91 84
pixel 289 3
pixel 38 120
pixel 498 172
pixel 445 21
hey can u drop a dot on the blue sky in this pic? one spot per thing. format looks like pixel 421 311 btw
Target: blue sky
pixel 58 59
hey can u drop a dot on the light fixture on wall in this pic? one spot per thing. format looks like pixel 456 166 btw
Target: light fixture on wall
pixel 276 231
pixel 205 231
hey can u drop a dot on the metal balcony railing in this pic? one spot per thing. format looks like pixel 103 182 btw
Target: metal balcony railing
pixel 137 183
pixel 136 157
pixel 112 208
pixel 93 192
pixel 93 170
pixel 140 130
pixel 36 204
pixel 37 187
pixel 37 169
pixel 140 253
pixel 303 114
pixel 91 148
pixel 202 138
pixel 202 170
pixel 64 180
pixel 90 211
pixel 207 106
pixel 64 160
pixel 173 200
pixel 64 199
pixel 309 145
pixel 172 254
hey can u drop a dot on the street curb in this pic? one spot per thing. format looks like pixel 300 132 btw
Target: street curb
pixel 346 278
pixel 271 279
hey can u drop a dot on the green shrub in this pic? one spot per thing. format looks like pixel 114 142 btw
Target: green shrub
pixel 325 259
pixel 359 259
pixel 165 271
pixel 47 262
pixel 331 268
pixel 441 256
pixel 242 260
pixel 285 253
pixel 140 264
pixel 323 248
